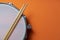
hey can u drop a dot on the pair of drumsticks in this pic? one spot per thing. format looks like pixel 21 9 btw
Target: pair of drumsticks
pixel 14 24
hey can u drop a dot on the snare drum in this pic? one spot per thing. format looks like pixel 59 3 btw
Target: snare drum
pixel 8 12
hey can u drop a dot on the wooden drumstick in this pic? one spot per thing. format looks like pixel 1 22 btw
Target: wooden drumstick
pixel 14 24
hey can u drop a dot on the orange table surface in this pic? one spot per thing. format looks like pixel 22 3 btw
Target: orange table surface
pixel 44 17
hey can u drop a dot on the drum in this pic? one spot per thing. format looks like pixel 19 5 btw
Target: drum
pixel 8 12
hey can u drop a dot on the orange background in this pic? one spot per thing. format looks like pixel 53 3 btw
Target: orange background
pixel 44 17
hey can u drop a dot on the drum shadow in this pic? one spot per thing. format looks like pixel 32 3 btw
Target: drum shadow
pixel 30 34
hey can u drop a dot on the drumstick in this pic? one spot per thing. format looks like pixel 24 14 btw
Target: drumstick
pixel 14 24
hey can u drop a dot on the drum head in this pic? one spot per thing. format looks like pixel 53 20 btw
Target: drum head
pixel 7 16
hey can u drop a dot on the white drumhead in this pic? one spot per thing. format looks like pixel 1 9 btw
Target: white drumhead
pixel 7 16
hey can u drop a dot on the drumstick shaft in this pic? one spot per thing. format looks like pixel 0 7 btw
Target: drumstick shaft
pixel 14 24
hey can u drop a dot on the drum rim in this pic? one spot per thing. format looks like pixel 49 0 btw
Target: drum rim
pixel 11 4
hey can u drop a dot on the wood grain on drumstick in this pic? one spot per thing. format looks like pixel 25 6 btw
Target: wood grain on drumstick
pixel 14 24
